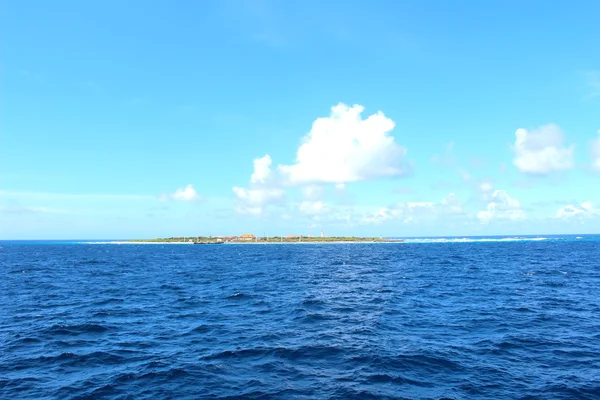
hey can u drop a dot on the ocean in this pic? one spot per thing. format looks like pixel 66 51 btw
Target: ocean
pixel 454 318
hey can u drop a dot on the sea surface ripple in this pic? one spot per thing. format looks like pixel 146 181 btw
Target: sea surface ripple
pixel 459 320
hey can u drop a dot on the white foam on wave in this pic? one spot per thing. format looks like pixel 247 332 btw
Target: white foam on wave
pixel 126 242
pixel 475 240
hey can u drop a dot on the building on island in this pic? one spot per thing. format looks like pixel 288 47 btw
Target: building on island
pixel 247 237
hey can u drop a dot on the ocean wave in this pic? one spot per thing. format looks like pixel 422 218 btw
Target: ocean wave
pixel 303 352
pixel 477 240
pixel 76 329
pixel 128 242
pixel 419 321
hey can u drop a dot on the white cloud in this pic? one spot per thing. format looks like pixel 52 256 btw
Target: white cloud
pixel 585 210
pixel 345 148
pixel 262 170
pixel 541 151
pixel 313 207
pixel 187 193
pixel 501 207
pixel 257 197
pixel 484 190
pixel 381 215
pixel 405 211
pixel 312 192
pixel 252 200
pixel 409 212
pixel 451 204
pixel 595 149
pixel 485 187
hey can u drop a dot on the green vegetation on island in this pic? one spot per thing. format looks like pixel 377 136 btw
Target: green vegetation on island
pixel 179 239
pixel 249 238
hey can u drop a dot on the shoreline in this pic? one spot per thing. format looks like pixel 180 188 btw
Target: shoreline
pixel 253 243
pixel 448 240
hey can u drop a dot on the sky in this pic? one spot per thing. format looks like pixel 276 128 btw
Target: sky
pixel 145 119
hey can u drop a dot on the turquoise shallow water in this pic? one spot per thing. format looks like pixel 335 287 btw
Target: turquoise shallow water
pixel 462 318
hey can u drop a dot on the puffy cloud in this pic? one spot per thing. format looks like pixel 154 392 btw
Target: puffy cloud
pixel 262 170
pixel 344 147
pixel 252 200
pixel 187 193
pixel 541 151
pixel 502 206
pixel 585 210
pixel 595 149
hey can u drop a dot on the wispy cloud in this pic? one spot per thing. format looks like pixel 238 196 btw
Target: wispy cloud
pixel 73 196
pixel 18 210
pixel 446 159
pixel 409 212
pixel 266 20
pixel 258 20
pixel 593 83
pixel 403 190
pixel 595 153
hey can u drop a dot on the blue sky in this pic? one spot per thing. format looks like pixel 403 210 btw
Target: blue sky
pixel 402 118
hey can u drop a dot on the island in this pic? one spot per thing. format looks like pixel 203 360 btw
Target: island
pixel 250 239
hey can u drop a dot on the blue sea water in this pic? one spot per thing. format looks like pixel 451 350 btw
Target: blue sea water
pixel 460 318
